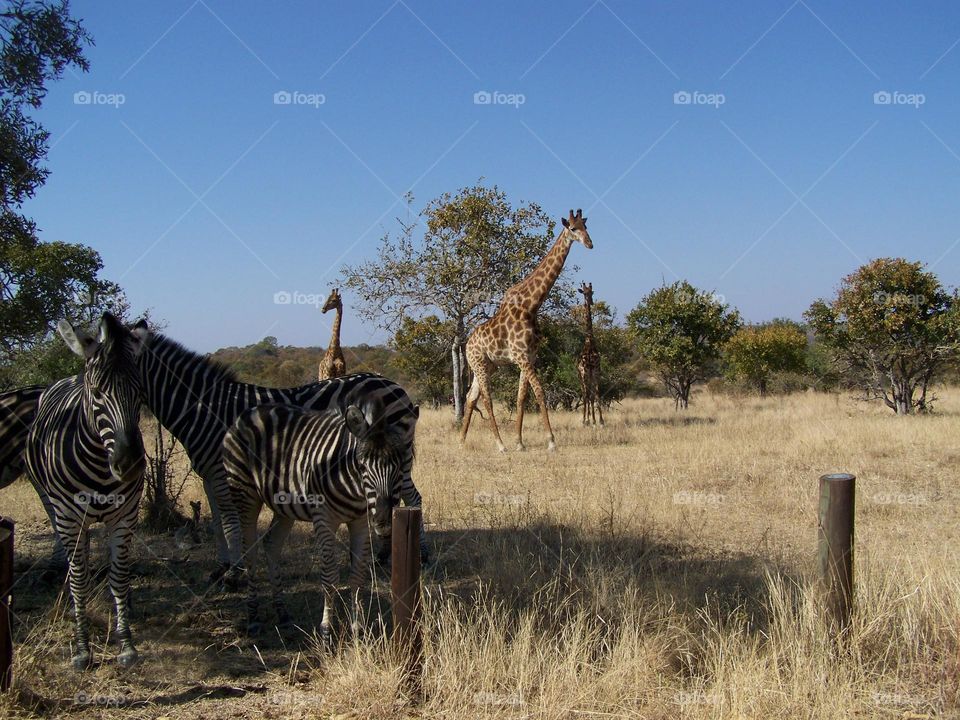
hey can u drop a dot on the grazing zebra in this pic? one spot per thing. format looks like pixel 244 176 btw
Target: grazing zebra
pixel 325 467
pixel 84 451
pixel 18 408
pixel 197 400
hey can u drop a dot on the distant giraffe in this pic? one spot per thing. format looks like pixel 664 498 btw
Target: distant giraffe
pixel 333 365
pixel 510 336
pixel 588 364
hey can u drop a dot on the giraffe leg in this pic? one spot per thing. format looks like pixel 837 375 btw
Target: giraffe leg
pixel 472 397
pixel 585 395
pixel 522 392
pixel 488 406
pixel 526 367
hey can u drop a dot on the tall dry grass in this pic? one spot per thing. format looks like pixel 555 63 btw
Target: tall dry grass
pixel 661 566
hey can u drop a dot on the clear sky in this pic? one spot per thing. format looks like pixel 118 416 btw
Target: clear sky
pixel 781 174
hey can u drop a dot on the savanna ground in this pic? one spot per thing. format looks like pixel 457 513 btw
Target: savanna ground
pixel 660 567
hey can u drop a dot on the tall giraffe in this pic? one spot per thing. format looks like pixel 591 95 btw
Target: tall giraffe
pixel 333 365
pixel 588 364
pixel 510 336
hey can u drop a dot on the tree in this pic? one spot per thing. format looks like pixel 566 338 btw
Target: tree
pixel 423 353
pixel 756 352
pixel 475 246
pixel 892 326
pixel 680 330
pixel 39 282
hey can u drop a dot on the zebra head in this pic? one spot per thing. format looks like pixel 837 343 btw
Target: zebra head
pixel 380 458
pixel 112 388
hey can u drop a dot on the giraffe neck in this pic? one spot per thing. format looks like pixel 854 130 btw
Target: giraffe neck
pixel 541 280
pixel 335 334
pixel 589 322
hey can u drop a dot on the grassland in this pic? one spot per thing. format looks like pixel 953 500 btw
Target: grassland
pixel 659 567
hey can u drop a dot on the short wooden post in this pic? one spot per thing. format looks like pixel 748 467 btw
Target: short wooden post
pixel 6 600
pixel 405 588
pixel 835 545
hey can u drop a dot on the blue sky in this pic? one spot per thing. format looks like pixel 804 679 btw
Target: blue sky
pixel 781 174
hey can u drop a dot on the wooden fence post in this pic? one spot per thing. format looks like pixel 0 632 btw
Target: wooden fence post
pixel 835 545
pixel 405 589
pixel 6 600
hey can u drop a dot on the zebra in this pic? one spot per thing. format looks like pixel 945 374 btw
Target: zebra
pixel 198 399
pixel 18 408
pixel 85 452
pixel 326 467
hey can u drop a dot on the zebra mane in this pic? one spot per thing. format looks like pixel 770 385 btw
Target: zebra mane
pixel 219 372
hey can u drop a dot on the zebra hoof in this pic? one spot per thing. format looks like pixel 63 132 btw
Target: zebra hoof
pixel 128 657
pixel 82 660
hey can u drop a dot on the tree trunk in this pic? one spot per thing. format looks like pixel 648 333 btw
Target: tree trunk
pixel 461 371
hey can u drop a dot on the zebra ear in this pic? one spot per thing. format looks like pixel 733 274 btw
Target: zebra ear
pixel 140 332
pixel 356 422
pixel 77 340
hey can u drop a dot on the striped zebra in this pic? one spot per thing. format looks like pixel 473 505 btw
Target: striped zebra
pixel 18 408
pixel 197 400
pixel 324 467
pixel 84 451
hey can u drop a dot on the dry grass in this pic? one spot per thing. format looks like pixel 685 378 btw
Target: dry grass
pixel 659 567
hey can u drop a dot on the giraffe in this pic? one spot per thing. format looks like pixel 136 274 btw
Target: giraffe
pixel 333 365
pixel 588 364
pixel 510 336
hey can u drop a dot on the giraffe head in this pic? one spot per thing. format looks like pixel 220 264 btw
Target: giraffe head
pixel 576 225
pixel 586 289
pixel 333 301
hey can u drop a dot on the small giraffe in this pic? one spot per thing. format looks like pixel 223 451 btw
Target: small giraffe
pixel 510 336
pixel 333 365
pixel 588 364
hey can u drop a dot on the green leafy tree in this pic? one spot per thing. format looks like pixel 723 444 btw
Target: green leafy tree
pixel 891 326
pixel 39 282
pixel 756 352
pixel 681 330
pixel 475 246
pixel 423 353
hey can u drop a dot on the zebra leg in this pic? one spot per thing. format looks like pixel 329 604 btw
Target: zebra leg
pixel 58 563
pixel 272 546
pixel 120 562
pixel 78 540
pixel 325 539
pixel 359 565
pixel 248 521
pixel 221 505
